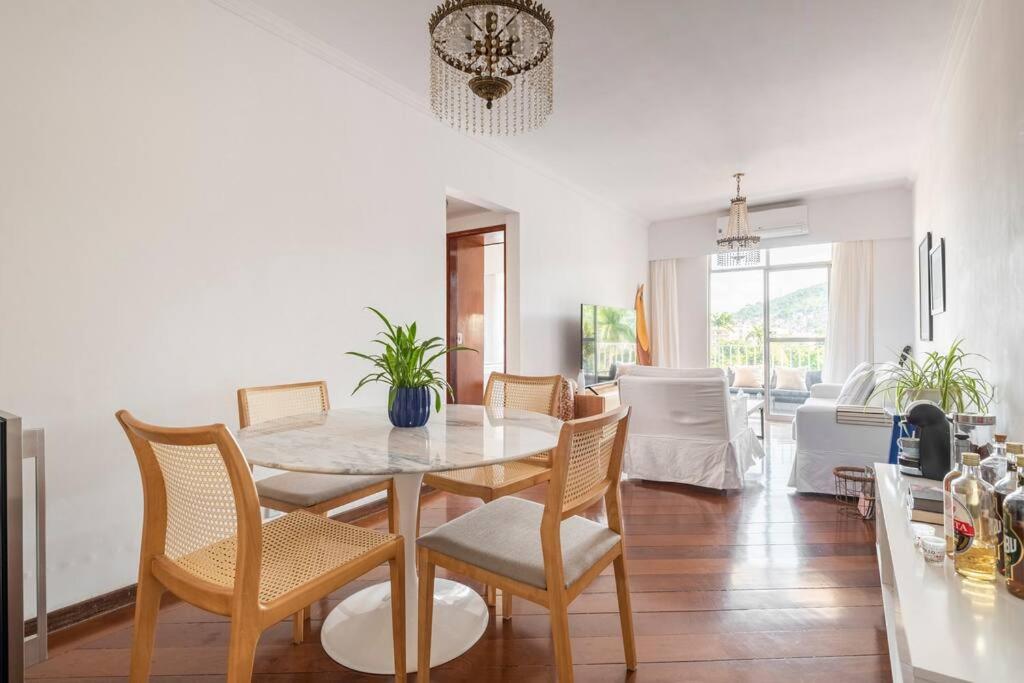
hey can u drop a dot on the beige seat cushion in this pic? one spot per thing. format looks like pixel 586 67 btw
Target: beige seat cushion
pixel 305 489
pixel 504 537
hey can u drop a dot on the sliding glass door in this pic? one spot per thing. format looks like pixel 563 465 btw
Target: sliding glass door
pixel 767 325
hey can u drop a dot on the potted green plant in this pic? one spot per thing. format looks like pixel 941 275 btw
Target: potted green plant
pixel 943 378
pixel 404 365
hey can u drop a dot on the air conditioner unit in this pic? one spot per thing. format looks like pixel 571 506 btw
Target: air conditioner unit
pixel 789 221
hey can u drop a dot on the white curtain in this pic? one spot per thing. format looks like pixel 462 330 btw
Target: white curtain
pixel 664 314
pixel 849 339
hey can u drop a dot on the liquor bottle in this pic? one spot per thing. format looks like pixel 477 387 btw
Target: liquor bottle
pixel 1013 536
pixel 993 468
pixel 1006 486
pixel 959 442
pixel 975 526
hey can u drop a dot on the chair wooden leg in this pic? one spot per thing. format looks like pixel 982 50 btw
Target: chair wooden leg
pixel 491 595
pixel 397 569
pixel 560 636
pixel 242 649
pixel 298 627
pixel 426 608
pixel 506 605
pixel 147 606
pixel 625 612
pixel 393 511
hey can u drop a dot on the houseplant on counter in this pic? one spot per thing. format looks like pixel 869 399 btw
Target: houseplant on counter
pixel 943 378
pixel 404 365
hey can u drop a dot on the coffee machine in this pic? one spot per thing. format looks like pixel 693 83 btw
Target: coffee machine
pixel 931 427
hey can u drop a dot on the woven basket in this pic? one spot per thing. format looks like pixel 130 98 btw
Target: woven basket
pixel 855 491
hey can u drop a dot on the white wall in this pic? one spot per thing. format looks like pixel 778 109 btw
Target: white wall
pixel 190 204
pixel 970 191
pixel 880 215
pixel 894 325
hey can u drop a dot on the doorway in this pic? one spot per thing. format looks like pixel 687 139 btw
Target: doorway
pixel 476 309
pixel 476 282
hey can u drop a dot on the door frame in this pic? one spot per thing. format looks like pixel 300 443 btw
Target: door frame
pixel 449 285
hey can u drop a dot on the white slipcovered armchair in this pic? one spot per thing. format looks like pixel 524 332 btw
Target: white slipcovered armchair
pixel 822 444
pixel 685 428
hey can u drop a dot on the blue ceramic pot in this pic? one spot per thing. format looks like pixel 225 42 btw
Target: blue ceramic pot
pixel 411 407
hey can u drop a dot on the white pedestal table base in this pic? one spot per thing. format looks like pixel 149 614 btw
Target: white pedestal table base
pixel 357 633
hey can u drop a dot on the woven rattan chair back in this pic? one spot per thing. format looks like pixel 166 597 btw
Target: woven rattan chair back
pixel 587 462
pixel 536 394
pixel 260 404
pixel 197 491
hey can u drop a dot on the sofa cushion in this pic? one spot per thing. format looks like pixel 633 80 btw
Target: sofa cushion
pixel 793 379
pixel 858 386
pixel 748 377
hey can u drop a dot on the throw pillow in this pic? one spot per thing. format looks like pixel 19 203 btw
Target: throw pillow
pixel 748 377
pixel 793 379
pixel 567 400
pixel 858 386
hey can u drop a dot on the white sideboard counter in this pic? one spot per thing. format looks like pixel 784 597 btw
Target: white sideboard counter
pixel 940 627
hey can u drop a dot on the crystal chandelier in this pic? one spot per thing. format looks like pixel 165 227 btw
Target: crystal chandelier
pixel 491 65
pixel 738 246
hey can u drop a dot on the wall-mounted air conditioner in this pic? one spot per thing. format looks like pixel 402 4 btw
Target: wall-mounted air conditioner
pixel 788 221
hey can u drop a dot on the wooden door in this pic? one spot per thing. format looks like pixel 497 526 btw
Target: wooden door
pixel 466 316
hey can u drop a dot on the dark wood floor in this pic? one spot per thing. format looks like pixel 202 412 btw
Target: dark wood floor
pixel 759 586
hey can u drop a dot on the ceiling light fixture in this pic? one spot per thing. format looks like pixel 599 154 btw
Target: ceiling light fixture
pixel 491 65
pixel 738 246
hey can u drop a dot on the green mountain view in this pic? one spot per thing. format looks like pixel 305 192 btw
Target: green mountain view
pixel 803 312
pixel 737 337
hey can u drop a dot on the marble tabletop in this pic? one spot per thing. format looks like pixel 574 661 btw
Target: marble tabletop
pixel 363 441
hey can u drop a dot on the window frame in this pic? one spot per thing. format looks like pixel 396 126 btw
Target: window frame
pixel 766 269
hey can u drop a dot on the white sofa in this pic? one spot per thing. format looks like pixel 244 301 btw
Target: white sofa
pixel 822 444
pixel 684 427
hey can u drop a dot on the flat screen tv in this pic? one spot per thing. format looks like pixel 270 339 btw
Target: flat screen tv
pixel 608 339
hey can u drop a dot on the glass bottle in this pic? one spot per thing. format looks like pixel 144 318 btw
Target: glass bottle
pixel 1013 536
pixel 975 526
pixel 993 468
pixel 1006 486
pixel 959 443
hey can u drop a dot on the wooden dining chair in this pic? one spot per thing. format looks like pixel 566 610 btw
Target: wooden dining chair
pixel 203 540
pixel 544 553
pixel 316 493
pixel 489 482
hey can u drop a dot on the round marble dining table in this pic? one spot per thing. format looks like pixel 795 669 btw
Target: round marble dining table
pixel 357 633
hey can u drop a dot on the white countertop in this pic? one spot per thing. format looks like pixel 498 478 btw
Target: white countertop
pixel 952 630
pixel 363 441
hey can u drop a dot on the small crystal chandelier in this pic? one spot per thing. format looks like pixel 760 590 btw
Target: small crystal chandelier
pixel 738 246
pixel 491 65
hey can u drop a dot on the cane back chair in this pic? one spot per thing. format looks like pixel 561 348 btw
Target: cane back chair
pixel 290 491
pixel 543 553
pixel 203 540
pixel 489 482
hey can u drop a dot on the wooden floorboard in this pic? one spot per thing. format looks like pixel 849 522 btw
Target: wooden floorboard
pixel 762 585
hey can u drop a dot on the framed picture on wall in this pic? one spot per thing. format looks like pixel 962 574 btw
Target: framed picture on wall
pixel 937 258
pixel 924 287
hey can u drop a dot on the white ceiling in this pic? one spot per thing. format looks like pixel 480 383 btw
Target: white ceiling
pixel 658 102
